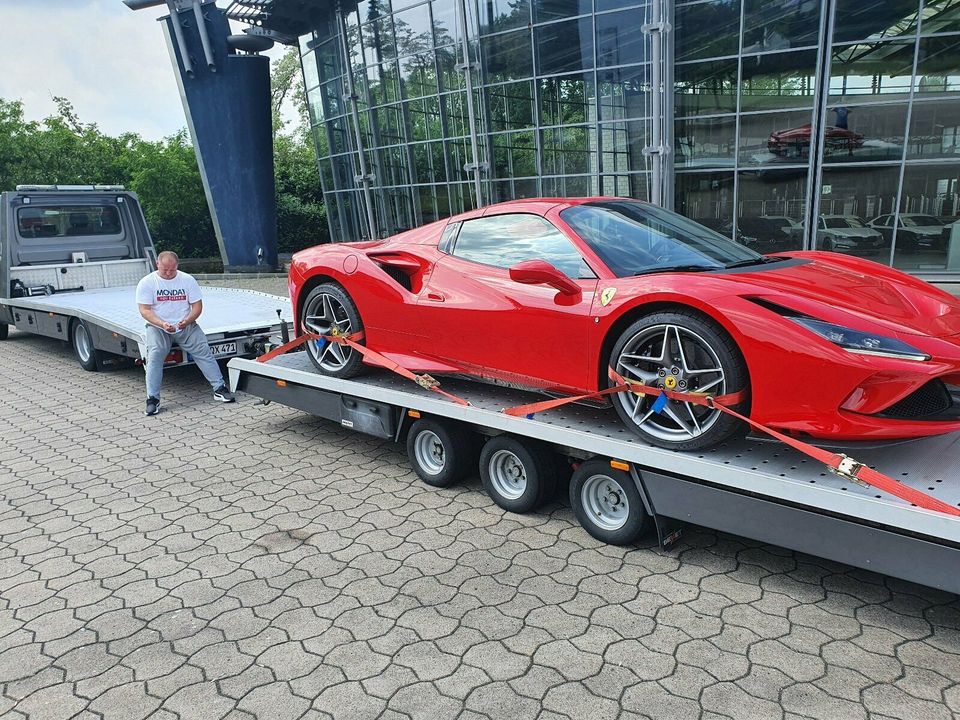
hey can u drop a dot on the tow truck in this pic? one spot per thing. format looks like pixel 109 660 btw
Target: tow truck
pixel 751 487
pixel 70 260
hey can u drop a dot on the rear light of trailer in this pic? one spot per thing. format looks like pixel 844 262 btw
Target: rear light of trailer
pixel 174 358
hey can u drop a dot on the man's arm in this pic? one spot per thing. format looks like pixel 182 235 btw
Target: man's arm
pixel 146 311
pixel 195 310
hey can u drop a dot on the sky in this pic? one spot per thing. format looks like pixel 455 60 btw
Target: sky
pixel 109 61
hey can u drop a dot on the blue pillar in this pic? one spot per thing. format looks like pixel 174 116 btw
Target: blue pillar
pixel 226 97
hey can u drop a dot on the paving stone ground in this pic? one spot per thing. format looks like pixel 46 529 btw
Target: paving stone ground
pixel 248 562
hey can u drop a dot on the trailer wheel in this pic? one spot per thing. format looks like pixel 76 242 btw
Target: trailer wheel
pixel 82 341
pixel 441 453
pixel 607 503
pixel 517 475
pixel 4 330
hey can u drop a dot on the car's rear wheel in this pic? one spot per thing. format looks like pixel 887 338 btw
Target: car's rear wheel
pixel 685 352
pixel 329 310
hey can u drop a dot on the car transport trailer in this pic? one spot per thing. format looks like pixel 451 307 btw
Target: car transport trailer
pixel 752 487
pixel 71 260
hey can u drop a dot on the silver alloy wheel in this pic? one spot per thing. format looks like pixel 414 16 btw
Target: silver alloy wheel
pixel 429 452
pixel 605 502
pixel 82 343
pixel 324 315
pixel 508 475
pixel 653 356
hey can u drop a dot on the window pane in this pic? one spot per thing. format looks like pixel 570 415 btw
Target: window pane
pixel 928 236
pixel 424 118
pixel 565 46
pixel 706 88
pixel 546 10
pixel 780 24
pixel 775 138
pixel 569 150
pixel 705 30
pixel 455 108
pixel 857 196
pixel 419 75
pixel 444 22
pixel 498 15
pixel 940 16
pixel 450 77
pixel 707 198
pixel 511 106
pixel 878 71
pixel 311 76
pixel 622 146
pixel 771 212
pixel 378 39
pixel 938 66
pixel 585 185
pixel 413 30
pixel 514 155
pixel 935 130
pixel 566 100
pixel 705 142
pixel 778 80
pixel 428 165
pixel 624 92
pixel 505 240
pixel 34 222
pixel 508 56
pixel 874 19
pixel 618 39
pixel 857 134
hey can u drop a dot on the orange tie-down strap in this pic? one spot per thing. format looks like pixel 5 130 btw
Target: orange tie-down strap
pixel 840 464
pixel 372 356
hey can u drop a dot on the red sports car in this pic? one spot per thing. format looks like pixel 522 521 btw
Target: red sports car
pixel 550 293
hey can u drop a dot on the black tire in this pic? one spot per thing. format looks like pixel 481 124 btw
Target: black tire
pixel 708 340
pixel 81 340
pixel 607 503
pixel 352 364
pixel 441 453
pixel 518 475
pixel 4 331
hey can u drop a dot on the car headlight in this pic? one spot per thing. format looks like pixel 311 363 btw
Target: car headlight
pixel 860 342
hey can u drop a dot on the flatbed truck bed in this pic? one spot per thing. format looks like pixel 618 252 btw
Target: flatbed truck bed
pixel 751 487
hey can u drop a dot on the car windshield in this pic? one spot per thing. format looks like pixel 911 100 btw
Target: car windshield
pixel 633 238
pixel 919 220
pixel 843 222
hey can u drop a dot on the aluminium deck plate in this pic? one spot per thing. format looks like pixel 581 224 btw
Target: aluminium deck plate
pixel 767 468
pixel 224 309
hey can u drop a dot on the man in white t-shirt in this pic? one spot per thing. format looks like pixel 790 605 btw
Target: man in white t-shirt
pixel 170 302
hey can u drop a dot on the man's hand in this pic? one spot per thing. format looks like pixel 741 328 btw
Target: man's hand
pixel 183 323
pixel 169 327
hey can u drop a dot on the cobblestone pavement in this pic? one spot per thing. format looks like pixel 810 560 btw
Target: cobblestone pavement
pixel 239 561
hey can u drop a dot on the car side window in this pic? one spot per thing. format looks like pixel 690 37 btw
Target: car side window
pixel 505 240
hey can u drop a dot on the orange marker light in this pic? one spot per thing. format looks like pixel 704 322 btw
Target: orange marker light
pixel 281 383
pixel 413 413
pixel 620 465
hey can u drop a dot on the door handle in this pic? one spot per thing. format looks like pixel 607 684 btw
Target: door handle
pixel 435 296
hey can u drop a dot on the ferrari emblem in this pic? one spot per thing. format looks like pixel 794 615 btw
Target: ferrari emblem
pixel 607 295
pixel 670 381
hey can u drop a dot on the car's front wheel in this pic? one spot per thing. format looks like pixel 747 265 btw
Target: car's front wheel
pixel 329 310
pixel 684 352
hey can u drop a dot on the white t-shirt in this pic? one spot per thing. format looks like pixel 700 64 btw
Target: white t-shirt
pixel 169 299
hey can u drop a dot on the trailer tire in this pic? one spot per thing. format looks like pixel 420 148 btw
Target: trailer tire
pixel 81 339
pixel 4 331
pixel 607 503
pixel 518 475
pixel 441 453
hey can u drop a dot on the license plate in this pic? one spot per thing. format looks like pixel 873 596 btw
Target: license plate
pixel 229 348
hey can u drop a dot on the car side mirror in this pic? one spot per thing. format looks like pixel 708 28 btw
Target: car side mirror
pixel 540 272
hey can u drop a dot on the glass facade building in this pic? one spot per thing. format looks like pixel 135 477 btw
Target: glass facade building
pixel 783 124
